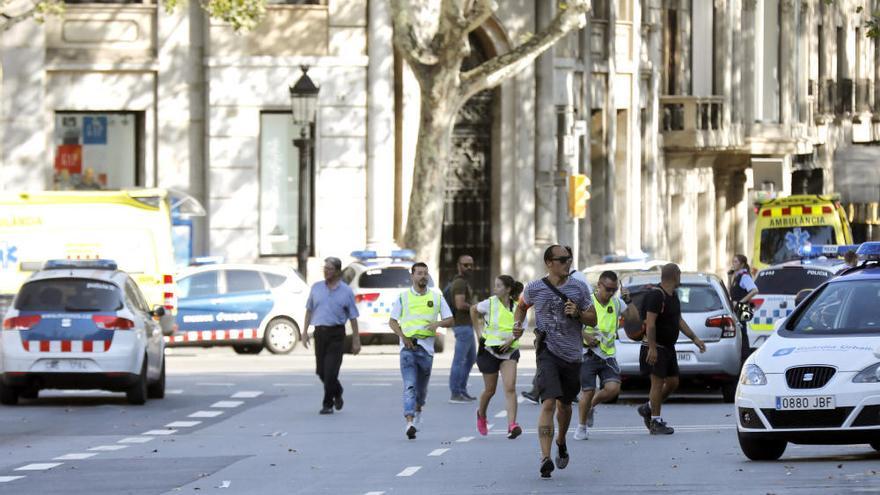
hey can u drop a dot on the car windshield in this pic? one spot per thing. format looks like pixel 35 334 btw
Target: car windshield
pixel 782 244
pixel 694 298
pixel 841 308
pixel 789 280
pixel 68 295
pixel 390 277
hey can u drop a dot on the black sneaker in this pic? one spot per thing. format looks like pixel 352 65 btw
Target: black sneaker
pixel 529 396
pixel 562 455
pixel 658 427
pixel 326 410
pixel 645 413
pixel 458 399
pixel 546 468
pixel 411 432
pixel 338 402
pixel 469 397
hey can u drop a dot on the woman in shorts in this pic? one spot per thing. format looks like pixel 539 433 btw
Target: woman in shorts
pixel 499 350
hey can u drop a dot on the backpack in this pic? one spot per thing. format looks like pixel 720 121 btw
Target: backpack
pixel 637 331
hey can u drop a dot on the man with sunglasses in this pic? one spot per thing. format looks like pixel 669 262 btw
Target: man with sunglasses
pixel 562 306
pixel 599 349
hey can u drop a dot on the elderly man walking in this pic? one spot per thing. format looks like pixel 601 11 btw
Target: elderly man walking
pixel 330 303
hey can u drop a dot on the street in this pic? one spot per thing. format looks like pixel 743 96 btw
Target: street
pixel 249 424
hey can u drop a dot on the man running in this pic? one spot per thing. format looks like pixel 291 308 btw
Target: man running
pixel 562 307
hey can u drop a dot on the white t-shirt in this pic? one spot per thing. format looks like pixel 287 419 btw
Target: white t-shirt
pixel 428 342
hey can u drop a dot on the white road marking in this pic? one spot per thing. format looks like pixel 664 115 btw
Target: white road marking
pixel 205 414
pixel 437 452
pixel 247 394
pixel 502 414
pixel 74 457
pixel 108 448
pixel 7 479
pixel 464 439
pixel 183 424
pixel 225 484
pixel 372 384
pixel 490 426
pixel 40 466
pixel 136 440
pixel 409 471
pixel 520 399
pixel 375 493
pixel 216 384
pixel 227 404
pixel 174 391
pixel 159 432
pixel 293 385
pixel 625 430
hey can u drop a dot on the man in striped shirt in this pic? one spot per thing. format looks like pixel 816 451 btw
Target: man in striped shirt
pixel 562 306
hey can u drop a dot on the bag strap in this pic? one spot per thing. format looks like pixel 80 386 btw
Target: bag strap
pixel 554 289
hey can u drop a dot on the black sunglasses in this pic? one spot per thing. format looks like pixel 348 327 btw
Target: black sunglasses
pixel 608 289
pixel 561 259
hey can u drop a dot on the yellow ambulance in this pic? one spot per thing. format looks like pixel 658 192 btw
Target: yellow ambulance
pixel 132 227
pixel 785 225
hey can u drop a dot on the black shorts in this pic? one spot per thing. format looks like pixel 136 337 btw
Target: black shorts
pixel 488 363
pixel 666 365
pixel 556 378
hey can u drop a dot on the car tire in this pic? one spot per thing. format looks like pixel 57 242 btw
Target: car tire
pixel 248 348
pixel 761 449
pixel 876 445
pixel 157 390
pixel 728 392
pixel 137 392
pixel 281 336
pixel 439 342
pixel 29 393
pixel 8 395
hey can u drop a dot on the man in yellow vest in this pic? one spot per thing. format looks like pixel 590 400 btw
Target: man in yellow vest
pixel 599 349
pixel 415 317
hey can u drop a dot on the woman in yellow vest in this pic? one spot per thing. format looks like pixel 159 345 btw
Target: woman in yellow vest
pixel 499 350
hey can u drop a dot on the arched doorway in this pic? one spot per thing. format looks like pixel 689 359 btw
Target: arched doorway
pixel 467 211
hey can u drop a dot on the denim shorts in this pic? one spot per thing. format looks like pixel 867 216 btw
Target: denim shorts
pixel 594 366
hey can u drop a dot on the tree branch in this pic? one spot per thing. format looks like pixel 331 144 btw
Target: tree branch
pixel 405 37
pixel 7 20
pixel 481 11
pixel 495 70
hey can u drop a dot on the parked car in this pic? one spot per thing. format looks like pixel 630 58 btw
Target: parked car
pixel 816 378
pixel 707 310
pixel 247 307
pixel 81 325
pixel 377 280
pixel 622 266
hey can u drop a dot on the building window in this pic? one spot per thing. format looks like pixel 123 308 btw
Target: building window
pixel 98 150
pixel 280 186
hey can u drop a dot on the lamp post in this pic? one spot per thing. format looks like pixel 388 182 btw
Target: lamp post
pixel 303 101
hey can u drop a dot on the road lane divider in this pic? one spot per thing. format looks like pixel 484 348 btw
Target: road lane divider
pixel 182 424
pixel 437 452
pixel 205 414
pixel 75 457
pixel 227 404
pixel 7 479
pixel 464 439
pixel 411 470
pixel 107 448
pixel 247 394
pixel 136 440
pixel 39 466
pixel 159 432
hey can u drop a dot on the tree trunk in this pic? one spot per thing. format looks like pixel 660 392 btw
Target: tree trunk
pixel 425 218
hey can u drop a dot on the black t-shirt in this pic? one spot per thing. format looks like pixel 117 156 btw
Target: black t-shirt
pixel 668 310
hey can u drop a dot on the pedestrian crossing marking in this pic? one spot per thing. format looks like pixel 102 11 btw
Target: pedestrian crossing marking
pixel 75 457
pixel 227 404
pixel 247 394
pixel 205 414
pixel 7 479
pixel 437 452
pixel 39 466
pixel 409 471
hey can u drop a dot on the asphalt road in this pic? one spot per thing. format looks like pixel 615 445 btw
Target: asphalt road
pixel 235 424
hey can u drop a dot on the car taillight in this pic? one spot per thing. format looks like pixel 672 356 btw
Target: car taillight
pixel 757 302
pixel 20 322
pixel 168 294
pixel 725 323
pixel 108 322
pixel 368 297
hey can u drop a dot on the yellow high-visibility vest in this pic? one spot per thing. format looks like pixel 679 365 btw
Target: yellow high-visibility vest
pixel 417 311
pixel 606 325
pixel 499 325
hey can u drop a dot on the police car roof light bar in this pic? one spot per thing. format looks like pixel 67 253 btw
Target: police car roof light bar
pixel 93 264
pixel 869 251
pixel 401 254
pixel 827 250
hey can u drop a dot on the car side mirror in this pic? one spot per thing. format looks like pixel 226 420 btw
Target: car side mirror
pixel 158 311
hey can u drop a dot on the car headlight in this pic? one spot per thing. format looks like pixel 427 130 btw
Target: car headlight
pixel 753 375
pixel 871 374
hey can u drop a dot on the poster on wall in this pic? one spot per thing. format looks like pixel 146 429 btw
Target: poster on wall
pixel 95 151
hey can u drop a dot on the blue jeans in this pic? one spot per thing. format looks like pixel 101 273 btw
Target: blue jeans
pixel 464 359
pixel 415 368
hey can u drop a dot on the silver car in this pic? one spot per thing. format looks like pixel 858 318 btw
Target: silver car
pixel 707 310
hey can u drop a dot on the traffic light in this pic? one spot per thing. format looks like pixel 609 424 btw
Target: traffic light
pixel 578 195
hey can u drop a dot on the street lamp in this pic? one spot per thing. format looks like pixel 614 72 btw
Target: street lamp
pixel 303 101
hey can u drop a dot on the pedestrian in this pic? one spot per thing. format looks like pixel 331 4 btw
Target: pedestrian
pixel 562 306
pixel 330 303
pixel 498 350
pixel 599 349
pixel 742 290
pixel 415 317
pixel 657 357
pixel 459 296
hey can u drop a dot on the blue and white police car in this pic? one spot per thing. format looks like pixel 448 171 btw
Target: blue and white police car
pixel 377 279
pixel 816 380
pixel 81 325
pixel 247 307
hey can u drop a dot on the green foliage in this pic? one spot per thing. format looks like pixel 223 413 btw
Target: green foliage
pixel 48 8
pixel 873 25
pixel 242 15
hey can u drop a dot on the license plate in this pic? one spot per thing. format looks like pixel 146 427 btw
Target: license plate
pixel 685 356
pixel 66 365
pixel 804 403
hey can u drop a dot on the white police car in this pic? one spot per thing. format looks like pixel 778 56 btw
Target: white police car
pixel 247 307
pixel 377 279
pixel 816 380
pixel 81 325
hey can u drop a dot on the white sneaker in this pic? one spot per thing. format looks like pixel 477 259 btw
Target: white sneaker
pixel 417 419
pixel 581 433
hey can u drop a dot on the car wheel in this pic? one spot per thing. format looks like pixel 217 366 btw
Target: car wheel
pixel 248 348
pixel 439 342
pixel 281 336
pixel 29 393
pixel 761 449
pixel 137 393
pixel 157 390
pixel 8 395
pixel 876 445
pixel 728 392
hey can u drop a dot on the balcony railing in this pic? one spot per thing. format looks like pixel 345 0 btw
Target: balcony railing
pixel 694 122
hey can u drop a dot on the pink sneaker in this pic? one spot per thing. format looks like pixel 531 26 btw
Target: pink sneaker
pixel 482 425
pixel 513 431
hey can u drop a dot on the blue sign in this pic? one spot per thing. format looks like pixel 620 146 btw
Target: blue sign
pixel 95 130
pixel 8 255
